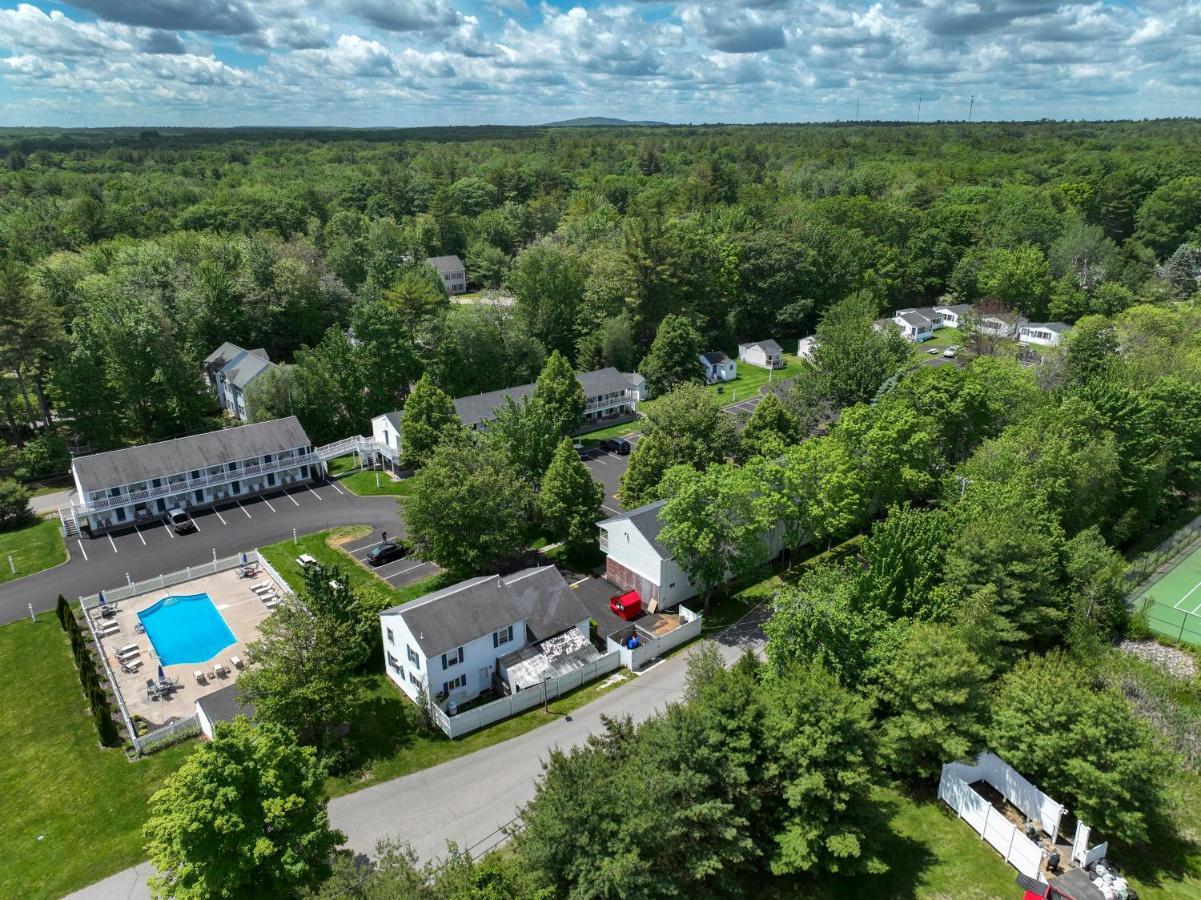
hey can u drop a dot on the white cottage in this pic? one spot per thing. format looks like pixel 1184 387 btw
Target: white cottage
pixel 1045 334
pixel 718 367
pixel 764 354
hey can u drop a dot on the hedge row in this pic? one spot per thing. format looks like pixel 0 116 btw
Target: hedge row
pixel 85 662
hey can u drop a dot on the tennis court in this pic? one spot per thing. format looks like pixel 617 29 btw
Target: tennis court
pixel 1173 603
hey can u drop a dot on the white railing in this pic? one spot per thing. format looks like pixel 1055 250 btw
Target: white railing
pixel 159 582
pixel 188 483
pixel 626 399
pixel 487 713
pixel 171 733
pixel 353 444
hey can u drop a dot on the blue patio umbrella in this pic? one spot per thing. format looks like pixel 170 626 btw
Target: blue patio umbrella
pixel 245 559
pixel 102 598
pixel 162 676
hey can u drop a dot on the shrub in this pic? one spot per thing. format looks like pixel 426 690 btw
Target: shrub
pixel 14 504
pixel 42 456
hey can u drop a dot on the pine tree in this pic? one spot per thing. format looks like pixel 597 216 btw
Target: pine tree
pixel 674 357
pixel 771 428
pixel 427 413
pixel 559 393
pixel 62 610
pixel 570 500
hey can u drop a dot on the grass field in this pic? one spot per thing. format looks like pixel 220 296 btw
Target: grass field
pixel 33 547
pixel 745 386
pixel 72 812
pixel 364 481
pixel 1173 603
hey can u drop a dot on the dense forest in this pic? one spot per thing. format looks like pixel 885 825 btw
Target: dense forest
pixel 128 256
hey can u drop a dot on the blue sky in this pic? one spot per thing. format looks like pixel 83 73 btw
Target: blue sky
pixel 443 62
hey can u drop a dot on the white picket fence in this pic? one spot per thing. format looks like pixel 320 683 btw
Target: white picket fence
pixel 653 646
pixel 479 716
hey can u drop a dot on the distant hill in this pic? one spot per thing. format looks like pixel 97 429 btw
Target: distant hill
pixel 594 121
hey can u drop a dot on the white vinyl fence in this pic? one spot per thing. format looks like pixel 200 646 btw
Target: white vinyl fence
pixel 1034 804
pixel 477 717
pixel 160 582
pixel 653 646
pixel 1017 849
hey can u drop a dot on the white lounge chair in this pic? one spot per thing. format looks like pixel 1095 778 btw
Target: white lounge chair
pixel 237 661
pixel 126 649
pixel 262 586
pixel 131 667
pixel 272 603
pixel 199 675
pixel 220 670
pixel 126 655
pixel 110 629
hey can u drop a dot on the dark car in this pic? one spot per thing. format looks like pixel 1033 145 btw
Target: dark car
pixel 386 553
pixel 616 445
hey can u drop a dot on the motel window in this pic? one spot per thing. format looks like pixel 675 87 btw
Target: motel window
pixel 453 658
pixel 413 658
pixel 502 637
pixel 391 640
pixel 416 682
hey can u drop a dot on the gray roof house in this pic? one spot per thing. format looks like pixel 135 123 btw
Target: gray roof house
pixel 765 354
pixel 230 370
pixel 450 642
pixel 453 272
pixel 224 705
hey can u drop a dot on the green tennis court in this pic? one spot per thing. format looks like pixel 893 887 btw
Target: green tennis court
pixel 1173 603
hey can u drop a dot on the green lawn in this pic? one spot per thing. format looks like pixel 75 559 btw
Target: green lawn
pixel 745 386
pixel 33 547
pixel 72 811
pixel 364 481
pixel 388 742
pixel 943 338
pixel 325 547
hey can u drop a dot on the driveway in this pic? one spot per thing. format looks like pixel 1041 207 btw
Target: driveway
pixel 152 549
pixel 607 469
pixel 469 800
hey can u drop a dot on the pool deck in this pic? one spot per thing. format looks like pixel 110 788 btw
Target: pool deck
pixel 240 607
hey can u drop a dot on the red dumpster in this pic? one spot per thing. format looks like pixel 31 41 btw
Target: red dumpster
pixel 627 606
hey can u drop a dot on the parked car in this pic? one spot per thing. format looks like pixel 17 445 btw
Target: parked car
pixel 386 552
pixel 180 521
pixel 626 606
pixel 620 446
pixel 933 351
pixel 950 352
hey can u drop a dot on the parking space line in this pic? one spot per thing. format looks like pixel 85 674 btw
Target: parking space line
pixel 243 508
pixel 406 571
pixel 170 533
pixel 81 550
pixel 334 485
pixel 599 460
pixel 269 506
pixel 290 497
pixel 314 493
pixel 607 508
pixel 221 517
pixel 138 532
pixel 196 525
pixel 112 542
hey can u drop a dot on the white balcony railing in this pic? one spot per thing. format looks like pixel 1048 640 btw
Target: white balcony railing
pixel 191 484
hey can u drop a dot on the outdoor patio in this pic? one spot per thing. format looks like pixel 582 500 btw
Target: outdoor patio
pixel 242 609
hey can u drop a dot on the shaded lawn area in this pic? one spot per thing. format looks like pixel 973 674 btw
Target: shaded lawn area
pixel 33 547
pixel 930 854
pixel 326 548
pixel 1170 868
pixel 363 481
pixel 389 743
pixel 745 386
pixel 87 804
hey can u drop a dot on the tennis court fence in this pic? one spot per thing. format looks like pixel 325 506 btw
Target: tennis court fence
pixel 1154 564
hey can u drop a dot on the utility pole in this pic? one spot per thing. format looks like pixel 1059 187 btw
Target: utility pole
pixel 971 103
pixel 919 107
pixel 857 109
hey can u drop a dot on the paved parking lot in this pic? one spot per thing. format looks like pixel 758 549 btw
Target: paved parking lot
pixel 396 573
pixel 152 549
pixel 607 469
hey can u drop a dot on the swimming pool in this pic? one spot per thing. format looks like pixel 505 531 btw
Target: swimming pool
pixel 186 629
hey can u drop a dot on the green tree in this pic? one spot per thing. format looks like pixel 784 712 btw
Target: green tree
pixel 674 357
pixel 1091 348
pixel 817 492
pixel 243 816
pixel 1020 278
pixel 560 394
pixel 527 434
pixel 548 281
pixel 819 745
pixel 1171 215
pixel 469 506
pixel 854 359
pixel 1097 585
pixel 771 429
pixel 428 412
pixel 934 701
pixel 686 427
pixel 14 504
pixel 570 501
pixel 894 446
pixel 716 523
pixel 418 298
pixel 1052 723
pixel 904 559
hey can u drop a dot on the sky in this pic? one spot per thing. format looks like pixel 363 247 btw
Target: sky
pixel 384 63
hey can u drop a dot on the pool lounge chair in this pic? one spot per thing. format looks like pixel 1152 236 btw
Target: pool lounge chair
pixel 131 667
pixel 152 689
pixel 120 651
pixel 272 602
pixel 199 675
pixel 220 670
pixel 236 661
pixel 109 630
pixel 128 655
pixel 262 586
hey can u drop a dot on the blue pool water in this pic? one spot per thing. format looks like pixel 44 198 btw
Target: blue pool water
pixel 186 629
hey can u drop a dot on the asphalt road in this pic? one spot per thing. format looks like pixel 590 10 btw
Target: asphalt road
pixel 108 561
pixel 469 800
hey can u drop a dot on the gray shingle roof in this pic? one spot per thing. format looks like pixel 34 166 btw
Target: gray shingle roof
pixel 198 451
pixel 446 264
pixel 1057 327
pixel 768 346
pixel 481 407
pixel 225 705
pixel 913 317
pixel 602 381
pixel 646 520
pixel 222 355
pixel 246 368
pixel 463 612
pixel 714 357
pixel 393 419
pixel 958 309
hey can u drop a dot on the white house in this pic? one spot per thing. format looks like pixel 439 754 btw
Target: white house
pixel 453 272
pixel 804 347
pixel 230 371
pixel 1045 334
pixel 718 367
pixel 764 354
pixel 952 315
pixel 385 431
pixel 1001 324
pixel 477 635
pixel 123 487
pixel 221 706
pixel 638 389
pixel 636 561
